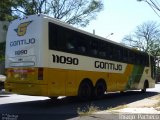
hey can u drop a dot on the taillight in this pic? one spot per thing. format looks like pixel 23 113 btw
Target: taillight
pixel 40 73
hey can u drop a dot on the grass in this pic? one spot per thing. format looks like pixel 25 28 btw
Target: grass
pixel 88 110
pixel 92 109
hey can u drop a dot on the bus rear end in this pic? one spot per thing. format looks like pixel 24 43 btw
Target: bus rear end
pixel 23 68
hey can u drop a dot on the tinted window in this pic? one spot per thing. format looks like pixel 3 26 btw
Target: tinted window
pixel 67 40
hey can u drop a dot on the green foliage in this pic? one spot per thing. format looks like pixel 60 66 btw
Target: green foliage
pixel 6 10
pixel 2 51
pixel 75 12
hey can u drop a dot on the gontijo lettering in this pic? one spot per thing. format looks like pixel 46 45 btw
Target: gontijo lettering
pixel 22 42
pixel 108 66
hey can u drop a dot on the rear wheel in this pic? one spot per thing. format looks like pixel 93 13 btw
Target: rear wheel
pixel 145 86
pixel 122 92
pixel 53 98
pixel 85 91
pixel 99 90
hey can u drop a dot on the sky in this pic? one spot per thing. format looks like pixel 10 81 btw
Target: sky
pixel 121 17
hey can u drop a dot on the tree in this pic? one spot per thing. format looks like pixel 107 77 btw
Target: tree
pixel 6 10
pixel 75 12
pixel 145 38
pixel 2 51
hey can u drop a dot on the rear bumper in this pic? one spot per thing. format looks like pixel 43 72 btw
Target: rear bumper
pixel 27 89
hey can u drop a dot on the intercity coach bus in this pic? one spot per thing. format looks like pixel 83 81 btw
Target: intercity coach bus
pixel 47 57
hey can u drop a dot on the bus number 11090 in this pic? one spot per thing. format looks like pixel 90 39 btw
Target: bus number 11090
pixel 65 60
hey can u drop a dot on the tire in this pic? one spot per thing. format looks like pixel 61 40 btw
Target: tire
pixel 99 90
pixel 122 92
pixel 145 86
pixel 85 91
pixel 53 98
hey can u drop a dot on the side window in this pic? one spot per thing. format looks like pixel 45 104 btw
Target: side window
pixel 102 54
pixel 52 36
pixel 125 55
pixel 116 53
pixel 102 49
pixel 130 57
pixel 71 42
pixel 142 59
pixel 138 59
pixel 82 48
pixel 57 37
pixel 70 45
pixel 109 51
pixel 68 40
pixel 61 38
pixel 81 43
pixel 93 51
pixel 119 54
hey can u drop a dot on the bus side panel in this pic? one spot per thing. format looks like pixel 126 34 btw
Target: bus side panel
pixel 66 82
pixel 56 82
pixel 71 83
pixel 127 75
pixel 134 77
pixel 138 76
pixel 117 82
pixel 113 81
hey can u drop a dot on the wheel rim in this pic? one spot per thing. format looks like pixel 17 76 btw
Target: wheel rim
pixel 85 91
pixel 144 87
pixel 99 90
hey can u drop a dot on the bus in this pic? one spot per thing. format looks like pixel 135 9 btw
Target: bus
pixel 47 57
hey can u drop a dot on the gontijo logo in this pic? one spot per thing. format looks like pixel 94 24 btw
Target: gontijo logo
pixel 22 28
